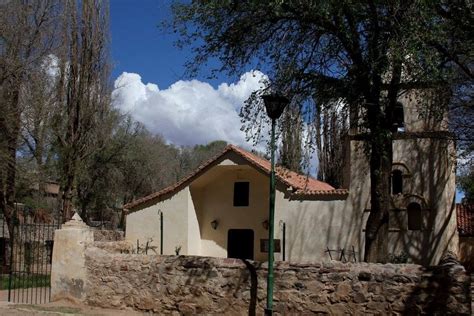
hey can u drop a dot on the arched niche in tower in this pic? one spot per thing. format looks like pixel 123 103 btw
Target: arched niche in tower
pixel 417 212
pixel 414 216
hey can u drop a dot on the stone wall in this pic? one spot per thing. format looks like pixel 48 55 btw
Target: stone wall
pixel 200 285
pixel 108 235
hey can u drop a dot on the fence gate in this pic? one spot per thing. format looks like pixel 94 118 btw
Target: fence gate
pixel 31 250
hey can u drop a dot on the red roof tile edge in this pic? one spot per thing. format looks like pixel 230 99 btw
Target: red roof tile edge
pixel 465 219
pixel 304 185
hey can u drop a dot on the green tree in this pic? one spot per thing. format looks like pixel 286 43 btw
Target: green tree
pixel 364 53
pixel 466 184
pixel 291 153
pixel 332 127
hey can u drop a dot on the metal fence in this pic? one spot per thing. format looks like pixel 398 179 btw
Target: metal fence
pixel 27 255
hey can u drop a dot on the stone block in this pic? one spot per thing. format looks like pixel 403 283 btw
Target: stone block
pixel 365 276
pixel 343 291
pixel 339 309
pixel 359 297
pixel 377 306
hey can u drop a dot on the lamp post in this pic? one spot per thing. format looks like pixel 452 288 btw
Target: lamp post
pixel 274 104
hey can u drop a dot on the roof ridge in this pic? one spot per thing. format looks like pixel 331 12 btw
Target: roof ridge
pixel 180 182
pixel 258 162
pixel 278 168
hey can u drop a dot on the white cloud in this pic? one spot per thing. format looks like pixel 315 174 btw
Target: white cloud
pixel 187 112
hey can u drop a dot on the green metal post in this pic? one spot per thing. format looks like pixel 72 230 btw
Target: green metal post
pixel 161 233
pixel 271 219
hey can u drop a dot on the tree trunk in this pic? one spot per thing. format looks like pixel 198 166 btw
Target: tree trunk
pixel 66 198
pixel 12 143
pixel 376 243
pixel 380 146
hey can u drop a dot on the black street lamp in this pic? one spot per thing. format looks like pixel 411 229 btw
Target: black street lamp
pixel 274 104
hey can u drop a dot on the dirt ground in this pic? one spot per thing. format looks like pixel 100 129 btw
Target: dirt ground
pixel 60 308
pixel 56 308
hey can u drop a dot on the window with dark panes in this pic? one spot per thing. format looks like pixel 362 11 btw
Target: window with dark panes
pixel 241 193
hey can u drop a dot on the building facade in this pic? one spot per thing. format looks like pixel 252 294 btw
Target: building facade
pixel 221 209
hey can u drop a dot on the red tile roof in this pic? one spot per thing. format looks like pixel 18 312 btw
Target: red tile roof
pixel 301 185
pixel 465 218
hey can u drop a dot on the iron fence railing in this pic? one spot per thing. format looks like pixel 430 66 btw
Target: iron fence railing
pixel 26 257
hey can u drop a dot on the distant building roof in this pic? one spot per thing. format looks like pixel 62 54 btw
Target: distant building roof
pixel 302 185
pixel 49 187
pixel 465 218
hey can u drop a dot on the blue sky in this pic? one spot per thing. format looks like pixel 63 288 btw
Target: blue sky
pixel 140 46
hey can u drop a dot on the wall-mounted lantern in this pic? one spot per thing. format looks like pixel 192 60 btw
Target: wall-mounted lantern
pixel 214 224
pixel 265 224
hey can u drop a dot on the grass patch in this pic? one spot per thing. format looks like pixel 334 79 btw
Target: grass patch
pixel 25 281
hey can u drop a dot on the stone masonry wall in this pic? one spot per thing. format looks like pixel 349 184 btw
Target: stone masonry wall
pixel 200 285
pixel 108 235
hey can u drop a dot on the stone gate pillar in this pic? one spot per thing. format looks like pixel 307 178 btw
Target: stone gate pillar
pixel 68 271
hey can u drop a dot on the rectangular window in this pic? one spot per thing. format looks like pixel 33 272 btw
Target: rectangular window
pixel 241 194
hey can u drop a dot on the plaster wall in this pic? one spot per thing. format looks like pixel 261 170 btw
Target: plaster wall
pixel 314 226
pixel 423 111
pixel 214 201
pixel 144 225
pixel 194 234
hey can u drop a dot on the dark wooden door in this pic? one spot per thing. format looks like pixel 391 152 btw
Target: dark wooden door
pixel 240 243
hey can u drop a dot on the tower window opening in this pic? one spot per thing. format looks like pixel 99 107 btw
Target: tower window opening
pixel 397 182
pixel 399 120
pixel 414 216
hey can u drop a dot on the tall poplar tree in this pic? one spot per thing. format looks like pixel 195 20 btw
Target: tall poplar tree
pixel 83 89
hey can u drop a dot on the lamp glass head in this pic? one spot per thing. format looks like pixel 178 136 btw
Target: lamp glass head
pixel 275 104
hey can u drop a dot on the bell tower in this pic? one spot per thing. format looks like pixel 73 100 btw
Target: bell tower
pixel 422 219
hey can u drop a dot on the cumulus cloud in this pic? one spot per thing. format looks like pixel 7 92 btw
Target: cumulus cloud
pixel 187 112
